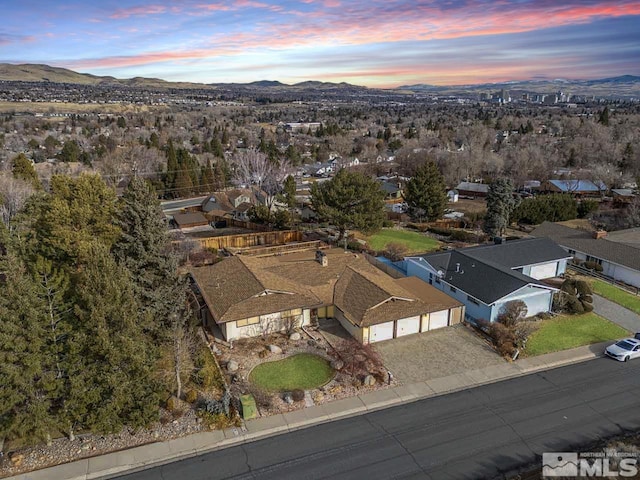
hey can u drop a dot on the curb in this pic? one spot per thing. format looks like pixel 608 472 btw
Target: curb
pixel 112 465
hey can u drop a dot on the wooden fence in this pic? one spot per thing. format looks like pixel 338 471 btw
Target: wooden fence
pixel 245 240
pixel 388 269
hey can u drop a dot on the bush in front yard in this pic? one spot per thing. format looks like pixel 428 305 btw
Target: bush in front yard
pixel 592 266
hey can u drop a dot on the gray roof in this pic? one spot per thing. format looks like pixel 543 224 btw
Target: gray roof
pixel 518 253
pixel 484 280
pixel 607 249
pixel 473 187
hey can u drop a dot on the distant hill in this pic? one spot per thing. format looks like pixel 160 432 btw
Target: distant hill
pixel 623 86
pixel 46 73
pixel 628 85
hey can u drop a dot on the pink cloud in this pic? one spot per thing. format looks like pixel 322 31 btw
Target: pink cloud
pixel 141 11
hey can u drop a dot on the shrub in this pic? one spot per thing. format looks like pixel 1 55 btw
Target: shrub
pixel 421 227
pixel 263 398
pixel 569 287
pixel 512 312
pixel 585 207
pixel 358 358
pixel 583 288
pixel 573 305
pixel 207 374
pixel 592 266
pixel 297 395
pixel 445 232
pixel 588 307
pixel 586 298
pixel 191 396
pixel 218 407
pixel 522 331
pixel 172 403
pixel 395 251
pixel 263 353
pixel 462 236
pixel 503 338
pixel 387 223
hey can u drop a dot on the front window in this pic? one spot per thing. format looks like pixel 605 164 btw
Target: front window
pixel 625 345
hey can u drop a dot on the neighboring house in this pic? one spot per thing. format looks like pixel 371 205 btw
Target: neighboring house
pixel 470 189
pixel 241 212
pixel 574 187
pixel 238 197
pixel 248 296
pixel 487 277
pixel 617 252
pixel 623 196
pixel 392 190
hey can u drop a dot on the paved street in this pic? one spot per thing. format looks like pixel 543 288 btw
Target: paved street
pixel 616 313
pixel 436 354
pixel 482 432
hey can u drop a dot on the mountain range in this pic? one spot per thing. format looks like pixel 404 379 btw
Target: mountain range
pixel 624 85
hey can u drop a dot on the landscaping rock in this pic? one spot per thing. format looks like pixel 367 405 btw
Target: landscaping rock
pixel 232 366
pixel 16 459
pixel 288 398
pixel 274 349
pixel 337 364
pixel 369 381
pixel 295 337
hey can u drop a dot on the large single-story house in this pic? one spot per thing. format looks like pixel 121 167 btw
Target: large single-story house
pixel 471 189
pixel 574 187
pixel 248 296
pixel 617 252
pixel 487 277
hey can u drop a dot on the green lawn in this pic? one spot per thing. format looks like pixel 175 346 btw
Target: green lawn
pixel 615 294
pixel 570 331
pixel 414 241
pixel 301 371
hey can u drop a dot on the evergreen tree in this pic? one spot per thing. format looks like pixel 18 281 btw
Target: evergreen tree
pixel 604 117
pixel 289 191
pixel 207 178
pixel 500 205
pixel 350 200
pixel 23 169
pixel 70 152
pixel 110 363
pixel 172 166
pixel 425 193
pixel 28 376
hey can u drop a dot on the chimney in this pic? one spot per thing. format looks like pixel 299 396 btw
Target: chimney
pixel 321 258
pixel 598 234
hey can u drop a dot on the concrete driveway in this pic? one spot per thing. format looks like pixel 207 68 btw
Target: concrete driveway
pixel 435 354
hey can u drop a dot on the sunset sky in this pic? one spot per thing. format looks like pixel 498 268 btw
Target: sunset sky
pixel 378 43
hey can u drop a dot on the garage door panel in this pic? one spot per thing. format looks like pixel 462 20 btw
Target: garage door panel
pixel 548 270
pixel 383 331
pixel 438 319
pixel 407 326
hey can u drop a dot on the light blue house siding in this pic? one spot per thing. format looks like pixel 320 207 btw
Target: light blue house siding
pixel 538 299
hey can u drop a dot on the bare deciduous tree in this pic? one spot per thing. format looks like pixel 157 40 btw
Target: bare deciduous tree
pixel 253 168
pixel 14 193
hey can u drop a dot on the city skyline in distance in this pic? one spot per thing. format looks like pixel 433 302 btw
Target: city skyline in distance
pixel 376 44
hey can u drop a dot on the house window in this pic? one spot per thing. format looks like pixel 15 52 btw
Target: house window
pixel 473 300
pixel 572 252
pixel 248 321
pixel 430 275
pixel 594 259
pixel 438 281
pixel 453 289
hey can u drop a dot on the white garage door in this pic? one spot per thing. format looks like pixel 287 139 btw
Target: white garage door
pixel 548 270
pixel 439 319
pixel 407 326
pixel 383 331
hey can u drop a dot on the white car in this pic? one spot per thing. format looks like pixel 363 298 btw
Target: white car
pixel 624 349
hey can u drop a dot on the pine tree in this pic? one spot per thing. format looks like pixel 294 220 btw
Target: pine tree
pixel 500 205
pixel 22 168
pixel 110 366
pixel 30 384
pixel 425 193
pixel 172 166
pixel 207 178
pixel 350 200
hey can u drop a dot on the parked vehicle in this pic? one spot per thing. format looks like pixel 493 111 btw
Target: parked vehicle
pixel 624 349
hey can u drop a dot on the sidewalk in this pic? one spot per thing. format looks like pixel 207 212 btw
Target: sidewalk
pixel 138 458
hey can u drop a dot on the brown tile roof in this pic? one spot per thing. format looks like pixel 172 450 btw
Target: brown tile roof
pixel 189 219
pixel 233 292
pixel 365 294
pixel 370 298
